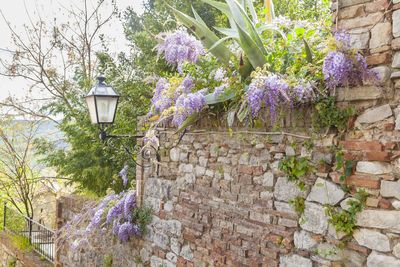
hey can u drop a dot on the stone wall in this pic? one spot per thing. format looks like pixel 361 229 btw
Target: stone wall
pixel 10 256
pixel 375 30
pixel 220 199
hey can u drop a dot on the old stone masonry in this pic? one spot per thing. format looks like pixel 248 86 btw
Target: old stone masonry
pixel 220 198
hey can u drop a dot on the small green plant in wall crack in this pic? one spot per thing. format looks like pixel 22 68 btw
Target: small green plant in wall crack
pixel 345 166
pixel 295 168
pixel 298 204
pixel 344 220
pixel 108 261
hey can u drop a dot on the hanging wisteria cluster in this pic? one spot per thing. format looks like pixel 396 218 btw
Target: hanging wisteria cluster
pixel 271 91
pixel 343 67
pixel 175 98
pixel 116 212
pixel 180 47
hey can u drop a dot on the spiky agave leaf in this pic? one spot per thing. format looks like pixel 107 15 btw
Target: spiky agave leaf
pixel 207 37
pixel 243 21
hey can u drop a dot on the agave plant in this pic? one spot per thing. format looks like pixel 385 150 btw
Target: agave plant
pixel 243 29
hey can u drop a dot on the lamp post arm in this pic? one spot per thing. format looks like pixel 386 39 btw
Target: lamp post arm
pixel 104 136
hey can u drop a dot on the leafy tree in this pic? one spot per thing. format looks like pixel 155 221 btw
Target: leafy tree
pixel 19 173
pixel 89 162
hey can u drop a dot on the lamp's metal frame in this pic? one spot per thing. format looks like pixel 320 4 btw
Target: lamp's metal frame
pixel 145 152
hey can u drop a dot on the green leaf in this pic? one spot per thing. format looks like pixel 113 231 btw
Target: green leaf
pixel 242 114
pixel 220 41
pixel 300 32
pixel 268 27
pixel 212 100
pixel 252 51
pixel 207 37
pixel 309 55
pixel 224 8
pixel 243 21
pixel 348 168
pixel 228 32
pixel 250 6
pixel 189 121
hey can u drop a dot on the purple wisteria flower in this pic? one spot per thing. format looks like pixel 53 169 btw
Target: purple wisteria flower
pixel 129 205
pixel 115 228
pixel 269 90
pixel 127 230
pixel 187 84
pixel 160 100
pixel 341 70
pixel 179 47
pixel 219 75
pixel 97 217
pixel 337 69
pixel 344 39
pixel 188 104
pixel 219 90
pixel 364 74
pixel 115 211
pixel 303 92
pixel 124 175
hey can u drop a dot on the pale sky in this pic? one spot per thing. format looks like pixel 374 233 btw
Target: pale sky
pixel 14 11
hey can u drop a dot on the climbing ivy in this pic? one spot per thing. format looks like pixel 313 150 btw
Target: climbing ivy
pixel 295 168
pixel 298 204
pixel 344 220
pixel 108 261
pixel 345 166
pixel 328 115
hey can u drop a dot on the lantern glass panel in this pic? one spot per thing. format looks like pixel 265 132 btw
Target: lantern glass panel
pixel 92 109
pixel 106 108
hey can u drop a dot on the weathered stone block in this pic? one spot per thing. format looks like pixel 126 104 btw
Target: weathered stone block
pixel 345 3
pixel 187 253
pixel 325 192
pixel 315 219
pixel 373 167
pixel 381 219
pixel 396 43
pixel 304 240
pixel 359 38
pixel 381 35
pixel 396 60
pixel 379 59
pixel 383 73
pixel 358 93
pixel 376 259
pixel 375 114
pixel 329 252
pixel 359 22
pixel 372 239
pixel 174 154
pixel 351 12
pixel 266 180
pixel 396 250
pixel 352 258
pixel 294 260
pixel 286 190
pixel 396 23
pixel 390 189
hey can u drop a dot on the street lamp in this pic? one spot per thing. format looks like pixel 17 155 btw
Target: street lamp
pixel 102 102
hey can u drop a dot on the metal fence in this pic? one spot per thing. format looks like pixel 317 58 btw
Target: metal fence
pixel 40 238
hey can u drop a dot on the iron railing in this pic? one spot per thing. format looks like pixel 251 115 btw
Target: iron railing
pixel 40 238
